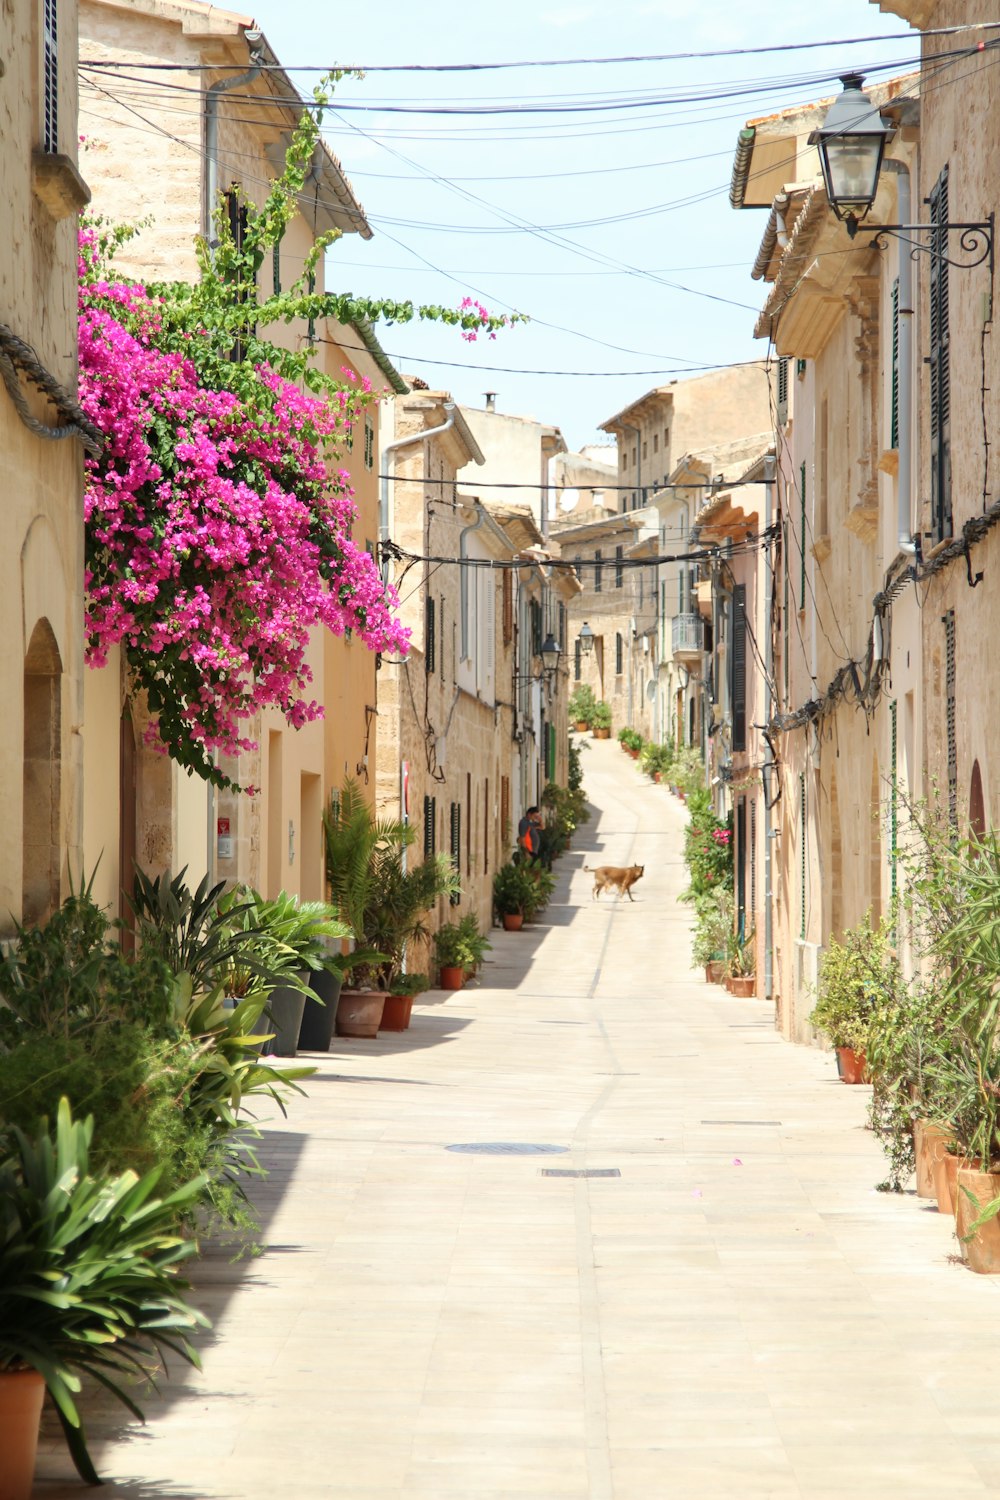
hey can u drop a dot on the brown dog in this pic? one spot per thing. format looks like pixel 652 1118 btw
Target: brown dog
pixel 623 877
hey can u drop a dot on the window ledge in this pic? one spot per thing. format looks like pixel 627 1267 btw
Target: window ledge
pixel 56 182
pixel 821 548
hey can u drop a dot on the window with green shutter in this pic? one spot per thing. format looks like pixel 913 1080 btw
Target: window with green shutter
pixel 430 829
pixel 430 639
pixel 456 846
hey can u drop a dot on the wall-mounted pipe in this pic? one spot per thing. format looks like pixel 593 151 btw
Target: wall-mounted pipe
pixel 388 453
pixel 212 96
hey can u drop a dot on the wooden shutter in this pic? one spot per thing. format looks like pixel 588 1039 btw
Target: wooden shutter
pixel 486 827
pixel 741 867
pixel 940 365
pixel 802 536
pixel 430 831
pixel 430 643
pixel 738 679
pixel 508 606
pixel 50 82
pixel 782 392
pixel 577 659
pixel 598 571
pixel 619 653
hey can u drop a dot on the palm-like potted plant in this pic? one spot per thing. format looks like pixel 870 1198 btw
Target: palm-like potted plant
pixel 741 966
pixel 89 1284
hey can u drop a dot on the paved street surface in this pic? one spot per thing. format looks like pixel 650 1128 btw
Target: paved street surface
pixel 737 1314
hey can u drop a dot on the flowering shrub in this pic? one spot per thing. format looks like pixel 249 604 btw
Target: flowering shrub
pixel 218 521
pixel 708 851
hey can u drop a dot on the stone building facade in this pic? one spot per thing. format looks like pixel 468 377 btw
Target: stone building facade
pixel 222 140
pixel 42 438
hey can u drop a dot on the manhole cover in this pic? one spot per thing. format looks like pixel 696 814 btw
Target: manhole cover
pixel 580 1172
pixel 506 1148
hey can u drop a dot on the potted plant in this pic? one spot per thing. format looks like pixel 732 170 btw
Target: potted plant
pixel 295 933
pixel 513 890
pixel 477 943
pixel 398 1007
pixel 89 1284
pixel 454 955
pixel 713 931
pixel 582 703
pixel 600 721
pixel 846 995
pixel 741 978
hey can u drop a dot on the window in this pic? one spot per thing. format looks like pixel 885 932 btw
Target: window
pixel 535 623
pixel 577 660
pixel 782 392
pixel 619 570
pixel 894 806
pixel 369 444
pixel 741 868
pixel 940 366
pixel 50 78
pixel 645 449
pixel 430 643
pixel 598 572
pixel 561 624
pixel 656 442
pixel 738 678
pixel 619 653
pixel 236 214
pixel 430 831
pixel 456 847
pixel 486 827
pixel 276 266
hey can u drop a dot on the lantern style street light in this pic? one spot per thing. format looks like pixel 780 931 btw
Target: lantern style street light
pixel 550 654
pixel 586 639
pixel 851 143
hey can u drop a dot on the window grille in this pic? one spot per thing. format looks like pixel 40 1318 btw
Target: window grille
pixel 619 654
pixel 430 643
pixel 802 856
pixel 430 829
pixel 456 847
pixel 619 569
pixel 50 54
pixel 782 392
pixel 598 572
pixel 949 709
pixel 369 445
pixel 940 365
pixel 894 393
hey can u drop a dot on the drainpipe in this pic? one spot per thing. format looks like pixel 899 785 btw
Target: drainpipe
pixel 388 453
pixel 770 465
pixel 904 481
pixel 463 577
pixel 212 95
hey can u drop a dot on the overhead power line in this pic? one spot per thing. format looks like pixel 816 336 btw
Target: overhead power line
pixel 581 62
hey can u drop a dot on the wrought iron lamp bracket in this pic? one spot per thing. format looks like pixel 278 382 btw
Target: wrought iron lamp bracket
pixel 975 240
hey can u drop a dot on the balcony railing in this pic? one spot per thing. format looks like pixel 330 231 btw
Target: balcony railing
pixel 687 635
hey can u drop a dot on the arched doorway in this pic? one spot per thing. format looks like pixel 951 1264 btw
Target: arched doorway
pixel 977 804
pixel 41 828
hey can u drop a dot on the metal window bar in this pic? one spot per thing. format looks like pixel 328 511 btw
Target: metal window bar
pixel 456 847
pixel 50 69
pixel 950 711
pixel 802 856
pixel 894 394
pixel 619 654
pixel 430 644
pixel 598 572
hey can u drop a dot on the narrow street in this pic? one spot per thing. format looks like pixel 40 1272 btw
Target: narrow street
pixel 728 1309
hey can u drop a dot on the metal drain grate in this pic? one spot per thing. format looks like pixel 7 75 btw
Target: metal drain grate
pixel 506 1148
pixel 580 1172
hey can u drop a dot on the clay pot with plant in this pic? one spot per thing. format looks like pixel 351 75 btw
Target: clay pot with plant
pixel 600 721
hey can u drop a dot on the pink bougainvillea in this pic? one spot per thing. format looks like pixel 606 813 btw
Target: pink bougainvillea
pixel 218 527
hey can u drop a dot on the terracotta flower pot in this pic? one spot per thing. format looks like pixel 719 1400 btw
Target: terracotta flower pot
pixel 513 921
pixel 656 776
pixel 982 1252
pixel 359 1013
pixel 929 1143
pixel 946 1169
pixel 713 971
pixel 452 977
pixel 396 1013
pixel 21 1395
pixel 582 726
pixel 851 1065
pixel 601 734
pixel 743 985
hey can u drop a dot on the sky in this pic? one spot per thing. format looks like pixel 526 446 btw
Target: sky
pixel 609 227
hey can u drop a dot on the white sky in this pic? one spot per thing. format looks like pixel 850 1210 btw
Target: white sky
pixel 559 170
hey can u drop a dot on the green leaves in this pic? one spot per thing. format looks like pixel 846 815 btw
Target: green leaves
pixel 89 1279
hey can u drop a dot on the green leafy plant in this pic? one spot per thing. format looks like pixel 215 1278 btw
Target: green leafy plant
pixel 452 948
pixel 741 959
pixel 515 890
pixel 89 1265
pixel 656 759
pixel 714 918
pixel 687 771
pixel 631 739
pixel 601 716
pixel 574 775
pixel 409 984
pixel 582 703
pixel 477 943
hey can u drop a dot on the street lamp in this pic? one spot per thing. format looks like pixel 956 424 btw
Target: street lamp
pixel 550 655
pixel 851 144
pixel 586 639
